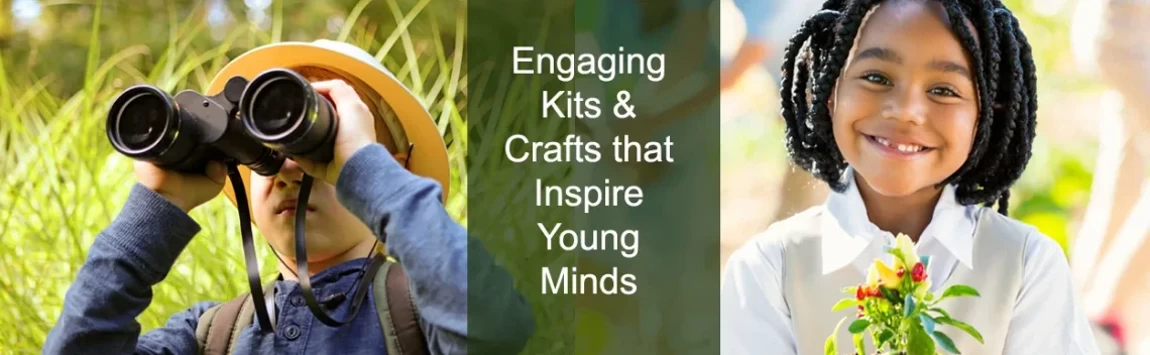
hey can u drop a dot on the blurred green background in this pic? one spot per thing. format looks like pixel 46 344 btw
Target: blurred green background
pixel 61 64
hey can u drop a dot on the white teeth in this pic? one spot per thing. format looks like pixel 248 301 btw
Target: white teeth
pixel 909 148
pixel 905 148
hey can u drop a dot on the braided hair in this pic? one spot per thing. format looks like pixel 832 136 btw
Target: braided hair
pixel 1004 76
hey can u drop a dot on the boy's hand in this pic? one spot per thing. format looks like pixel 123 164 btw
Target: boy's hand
pixel 186 191
pixel 356 129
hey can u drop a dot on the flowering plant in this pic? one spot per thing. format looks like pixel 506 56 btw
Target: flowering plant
pixel 897 308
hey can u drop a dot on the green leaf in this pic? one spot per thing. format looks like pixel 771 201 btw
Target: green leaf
pixel 898 254
pixel 886 292
pixel 844 304
pixel 960 325
pixel 927 322
pixel 831 347
pixel 941 312
pixel 945 342
pixel 908 305
pixel 959 291
pixel 858 326
pixel 919 342
pixel 884 337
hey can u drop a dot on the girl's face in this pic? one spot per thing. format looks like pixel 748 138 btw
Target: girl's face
pixel 904 109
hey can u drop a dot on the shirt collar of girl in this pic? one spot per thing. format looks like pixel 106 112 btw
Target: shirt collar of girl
pixel 847 231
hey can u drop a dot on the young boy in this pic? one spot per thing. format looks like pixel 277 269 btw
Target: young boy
pixel 362 197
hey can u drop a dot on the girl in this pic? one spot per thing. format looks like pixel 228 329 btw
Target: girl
pixel 919 114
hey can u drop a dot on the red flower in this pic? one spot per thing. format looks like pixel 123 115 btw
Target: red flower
pixel 860 293
pixel 900 272
pixel 874 292
pixel 918 273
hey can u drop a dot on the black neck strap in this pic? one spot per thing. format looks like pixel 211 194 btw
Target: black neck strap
pixel 377 260
pixel 252 263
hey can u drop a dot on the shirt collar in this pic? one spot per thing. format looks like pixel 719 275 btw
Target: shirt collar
pixel 341 276
pixel 848 232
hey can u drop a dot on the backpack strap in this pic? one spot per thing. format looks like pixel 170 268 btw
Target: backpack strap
pixel 397 312
pixel 220 326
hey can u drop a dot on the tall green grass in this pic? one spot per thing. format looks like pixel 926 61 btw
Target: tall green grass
pixel 63 183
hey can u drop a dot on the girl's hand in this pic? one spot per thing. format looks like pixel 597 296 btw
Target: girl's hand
pixel 355 130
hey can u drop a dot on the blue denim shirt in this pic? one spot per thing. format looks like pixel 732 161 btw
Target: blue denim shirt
pixel 140 246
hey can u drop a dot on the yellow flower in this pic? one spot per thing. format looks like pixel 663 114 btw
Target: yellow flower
pixel 906 246
pixel 887 276
pixel 872 275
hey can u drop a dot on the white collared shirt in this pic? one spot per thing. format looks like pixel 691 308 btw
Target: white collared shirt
pixel 755 318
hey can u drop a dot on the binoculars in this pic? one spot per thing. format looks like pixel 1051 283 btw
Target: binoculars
pixel 257 124
pixel 277 115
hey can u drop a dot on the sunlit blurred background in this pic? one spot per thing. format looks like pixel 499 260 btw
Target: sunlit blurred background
pixel 1080 116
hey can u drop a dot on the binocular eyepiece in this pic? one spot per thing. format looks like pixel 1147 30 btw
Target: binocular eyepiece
pixel 259 123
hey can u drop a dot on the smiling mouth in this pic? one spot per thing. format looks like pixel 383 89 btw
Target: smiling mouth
pixel 898 148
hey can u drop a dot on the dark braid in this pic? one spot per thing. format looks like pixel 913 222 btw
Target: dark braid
pixel 1004 202
pixel 972 191
pixel 1004 77
pixel 796 94
pixel 826 162
pixel 1013 106
pixel 834 4
pixel 1006 106
pixel 1027 92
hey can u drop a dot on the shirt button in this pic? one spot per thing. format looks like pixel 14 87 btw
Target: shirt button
pixel 297 301
pixel 292 332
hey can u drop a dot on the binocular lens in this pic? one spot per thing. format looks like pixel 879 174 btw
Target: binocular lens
pixel 141 122
pixel 277 105
pixel 282 110
pixel 146 124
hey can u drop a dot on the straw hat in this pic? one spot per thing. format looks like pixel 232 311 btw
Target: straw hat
pixel 401 123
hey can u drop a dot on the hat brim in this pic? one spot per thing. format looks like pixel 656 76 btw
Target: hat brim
pixel 428 156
